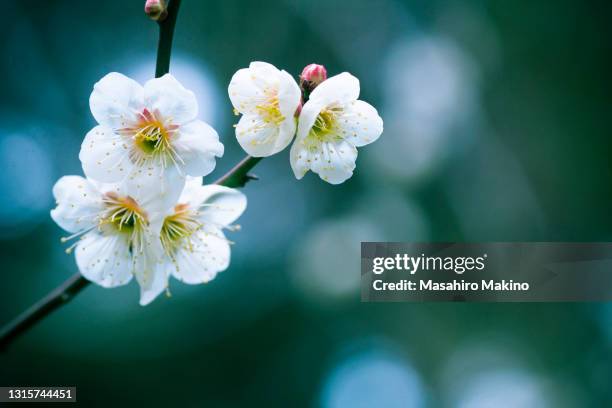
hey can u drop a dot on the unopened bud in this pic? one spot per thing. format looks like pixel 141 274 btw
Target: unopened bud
pixel 156 9
pixel 312 75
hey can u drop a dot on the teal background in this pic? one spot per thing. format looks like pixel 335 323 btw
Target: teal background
pixel 496 129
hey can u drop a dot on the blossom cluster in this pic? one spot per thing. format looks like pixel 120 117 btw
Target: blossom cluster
pixel 142 211
pixel 325 118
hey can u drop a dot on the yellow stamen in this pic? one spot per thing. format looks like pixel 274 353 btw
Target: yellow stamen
pixel 270 112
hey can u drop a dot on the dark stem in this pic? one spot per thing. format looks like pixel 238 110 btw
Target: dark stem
pixel 60 296
pixel 164 45
pixel 239 175
pixel 69 289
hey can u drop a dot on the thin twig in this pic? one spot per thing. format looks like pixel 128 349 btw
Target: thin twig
pixel 239 175
pixel 166 33
pixel 58 297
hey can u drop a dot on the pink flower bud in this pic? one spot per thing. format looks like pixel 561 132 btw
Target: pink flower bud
pixel 156 9
pixel 314 73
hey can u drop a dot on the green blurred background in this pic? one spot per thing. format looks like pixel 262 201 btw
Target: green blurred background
pixel 496 129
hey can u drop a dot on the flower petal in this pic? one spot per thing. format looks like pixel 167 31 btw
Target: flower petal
pixel 289 95
pixel 78 203
pixel 155 190
pixel 150 274
pixel 335 162
pixel 151 286
pixel 341 89
pixel 104 155
pixel 217 205
pixel 360 123
pixel 300 159
pixel 167 96
pixel 261 139
pixel 152 283
pixel 116 100
pixel 308 115
pixel 243 92
pixel 191 189
pixel 104 259
pixel 197 146
pixel 246 88
pixel 208 254
pixel 265 73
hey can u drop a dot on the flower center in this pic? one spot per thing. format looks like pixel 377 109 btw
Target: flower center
pixel 178 229
pixel 152 138
pixel 325 128
pixel 269 111
pixel 123 215
pixel 324 124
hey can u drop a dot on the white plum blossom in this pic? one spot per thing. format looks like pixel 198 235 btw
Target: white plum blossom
pixel 118 232
pixel 147 135
pixel 192 233
pixel 268 99
pixel 142 210
pixel 332 124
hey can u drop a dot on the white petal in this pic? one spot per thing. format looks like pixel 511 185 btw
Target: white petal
pixel 152 283
pixel 246 88
pixel 78 203
pixel 209 254
pixel 167 96
pixel 151 277
pixel 104 259
pixel 265 73
pixel 191 189
pixel 261 139
pixel 118 188
pixel 335 162
pixel 286 133
pixel 244 94
pixel 116 100
pixel 289 95
pixel 300 159
pixel 360 123
pixel 341 89
pixel 104 155
pixel 217 205
pixel 197 145
pixel 155 190
pixel 308 115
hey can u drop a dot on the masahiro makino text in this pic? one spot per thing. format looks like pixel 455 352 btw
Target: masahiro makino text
pixel 455 285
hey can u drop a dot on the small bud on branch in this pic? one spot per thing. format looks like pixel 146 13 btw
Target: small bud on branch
pixel 156 9
pixel 312 75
